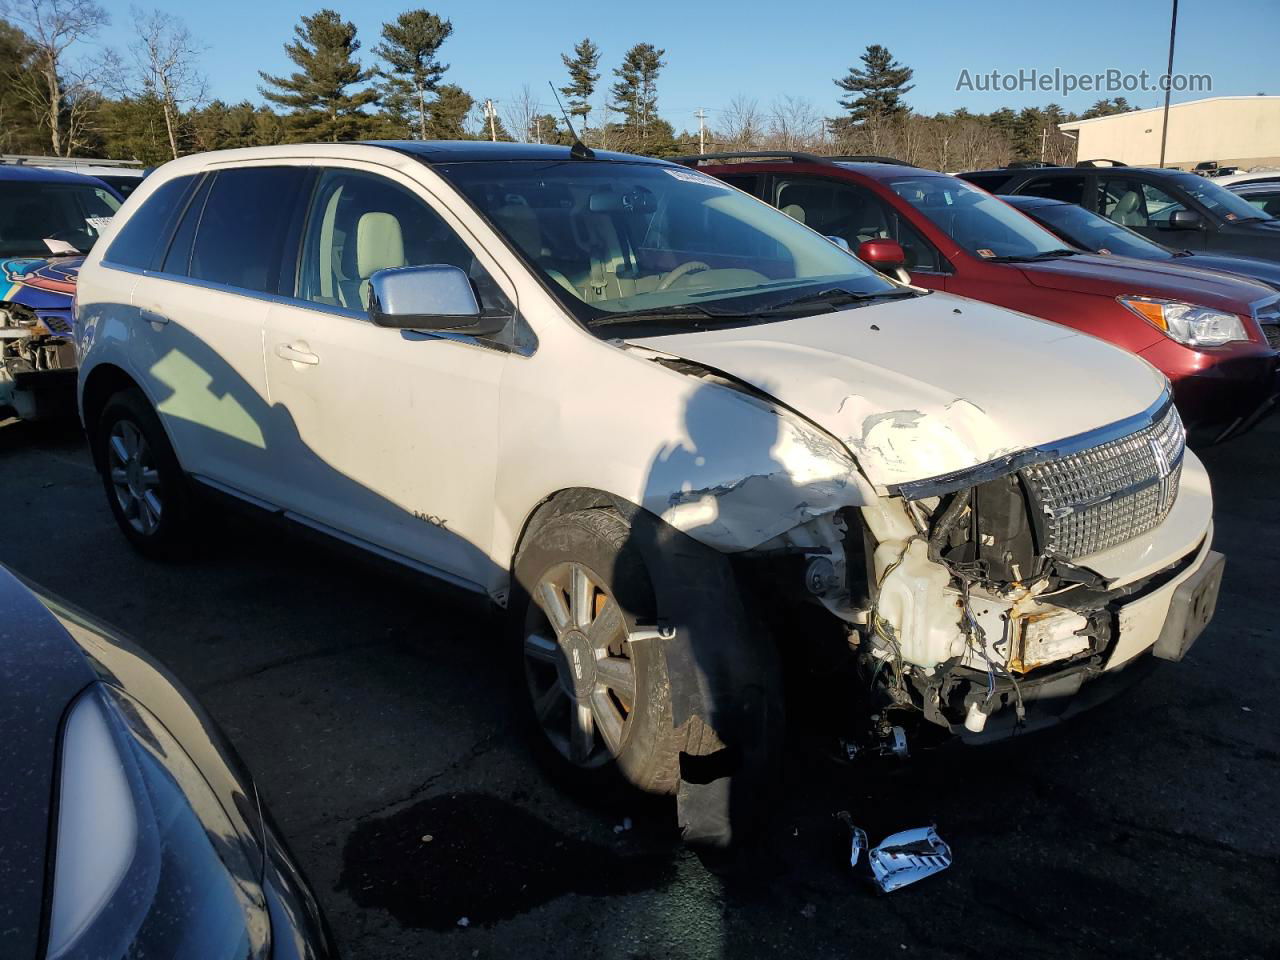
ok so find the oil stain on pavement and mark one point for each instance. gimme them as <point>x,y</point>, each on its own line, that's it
<point>483,858</point>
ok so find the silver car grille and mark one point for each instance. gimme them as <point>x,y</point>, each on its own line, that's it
<point>1102,496</point>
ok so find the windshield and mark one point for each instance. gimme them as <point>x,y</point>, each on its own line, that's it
<point>1219,199</point>
<point>616,239</point>
<point>1089,231</point>
<point>980,223</point>
<point>31,212</point>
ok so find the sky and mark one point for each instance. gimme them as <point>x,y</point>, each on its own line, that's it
<point>716,52</point>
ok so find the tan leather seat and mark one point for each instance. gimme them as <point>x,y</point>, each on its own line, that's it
<point>1128,210</point>
<point>379,246</point>
<point>794,211</point>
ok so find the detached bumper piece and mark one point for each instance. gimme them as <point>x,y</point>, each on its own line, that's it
<point>37,394</point>
<point>1191,609</point>
<point>900,859</point>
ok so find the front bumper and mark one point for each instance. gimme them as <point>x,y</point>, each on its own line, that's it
<point>1159,624</point>
<point>1227,397</point>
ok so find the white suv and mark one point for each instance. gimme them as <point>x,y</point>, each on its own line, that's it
<point>681,438</point>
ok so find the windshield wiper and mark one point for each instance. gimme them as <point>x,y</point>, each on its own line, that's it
<point>1028,257</point>
<point>678,312</point>
<point>833,297</point>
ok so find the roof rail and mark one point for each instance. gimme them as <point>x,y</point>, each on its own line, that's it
<point>34,160</point>
<point>870,158</point>
<point>1099,162</point>
<point>795,156</point>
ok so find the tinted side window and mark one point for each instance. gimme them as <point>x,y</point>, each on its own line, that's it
<point>991,182</point>
<point>1066,189</point>
<point>178,259</point>
<point>1135,203</point>
<point>748,183</point>
<point>361,223</point>
<point>141,241</point>
<point>242,231</point>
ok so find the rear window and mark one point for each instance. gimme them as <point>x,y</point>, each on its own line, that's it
<point>1066,189</point>
<point>991,182</point>
<point>241,237</point>
<point>141,241</point>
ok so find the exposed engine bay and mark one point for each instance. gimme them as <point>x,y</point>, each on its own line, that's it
<point>37,363</point>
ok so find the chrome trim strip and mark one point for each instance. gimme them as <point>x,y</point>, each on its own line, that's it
<point>972,476</point>
<point>365,545</point>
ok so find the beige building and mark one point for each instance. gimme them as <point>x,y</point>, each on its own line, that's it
<point>1236,131</point>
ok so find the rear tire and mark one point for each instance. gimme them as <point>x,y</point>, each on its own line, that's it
<point>146,489</point>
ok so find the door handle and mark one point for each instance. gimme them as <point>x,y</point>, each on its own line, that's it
<point>153,316</point>
<point>296,353</point>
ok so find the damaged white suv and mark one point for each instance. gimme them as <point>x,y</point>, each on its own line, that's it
<point>684,440</point>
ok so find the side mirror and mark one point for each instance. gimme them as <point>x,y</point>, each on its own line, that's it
<point>882,254</point>
<point>433,297</point>
<point>842,243</point>
<point>1185,220</point>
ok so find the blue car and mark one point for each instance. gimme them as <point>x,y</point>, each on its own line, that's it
<point>48,220</point>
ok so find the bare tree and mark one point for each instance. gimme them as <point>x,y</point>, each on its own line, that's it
<point>519,112</point>
<point>166,54</point>
<point>742,125</point>
<point>52,87</point>
<point>794,124</point>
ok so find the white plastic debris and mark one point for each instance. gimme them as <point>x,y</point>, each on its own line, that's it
<point>900,859</point>
<point>464,921</point>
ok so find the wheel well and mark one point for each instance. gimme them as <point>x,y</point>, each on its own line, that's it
<point>104,382</point>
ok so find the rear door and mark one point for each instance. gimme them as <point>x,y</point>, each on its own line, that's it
<point>200,321</point>
<point>854,213</point>
<point>391,434</point>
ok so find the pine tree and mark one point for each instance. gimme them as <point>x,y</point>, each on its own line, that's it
<point>635,94</point>
<point>584,73</point>
<point>875,91</point>
<point>320,95</point>
<point>447,113</point>
<point>409,46</point>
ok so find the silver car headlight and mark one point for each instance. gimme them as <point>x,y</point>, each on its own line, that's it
<point>1187,323</point>
<point>146,862</point>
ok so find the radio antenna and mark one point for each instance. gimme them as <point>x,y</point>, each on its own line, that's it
<point>579,150</point>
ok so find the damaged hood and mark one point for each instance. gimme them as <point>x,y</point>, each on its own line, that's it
<point>931,385</point>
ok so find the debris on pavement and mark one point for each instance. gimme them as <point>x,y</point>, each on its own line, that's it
<point>900,859</point>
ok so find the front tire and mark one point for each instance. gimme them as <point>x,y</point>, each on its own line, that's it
<point>145,486</point>
<point>595,692</point>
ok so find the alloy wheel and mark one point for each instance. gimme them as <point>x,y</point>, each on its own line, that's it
<point>134,477</point>
<point>578,665</point>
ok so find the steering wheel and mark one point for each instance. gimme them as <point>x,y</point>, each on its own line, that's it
<point>689,266</point>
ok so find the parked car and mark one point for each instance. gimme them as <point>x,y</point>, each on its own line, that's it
<point>123,176</point>
<point>1262,193</point>
<point>1202,330</point>
<point>1093,233</point>
<point>130,827</point>
<point>663,426</point>
<point>48,220</point>
<point>1173,207</point>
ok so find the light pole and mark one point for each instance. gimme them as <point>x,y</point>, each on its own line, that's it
<point>1168,81</point>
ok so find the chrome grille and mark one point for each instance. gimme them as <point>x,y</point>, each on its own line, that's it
<point>1100,497</point>
<point>1268,316</point>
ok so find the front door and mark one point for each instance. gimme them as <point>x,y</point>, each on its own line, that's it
<point>1146,208</point>
<point>393,433</point>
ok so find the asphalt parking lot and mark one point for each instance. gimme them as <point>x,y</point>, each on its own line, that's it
<point>371,711</point>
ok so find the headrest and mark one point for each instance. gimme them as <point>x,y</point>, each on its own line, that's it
<point>379,243</point>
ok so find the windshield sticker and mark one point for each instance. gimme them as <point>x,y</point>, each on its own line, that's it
<point>984,252</point>
<point>1232,216</point>
<point>98,223</point>
<point>692,176</point>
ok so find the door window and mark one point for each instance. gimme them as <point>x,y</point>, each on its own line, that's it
<point>1135,203</point>
<point>1066,189</point>
<point>243,230</point>
<point>140,242</point>
<point>361,223</point>
<point>856,215</point>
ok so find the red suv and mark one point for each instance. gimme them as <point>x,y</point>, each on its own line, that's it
<point>1201,328</point>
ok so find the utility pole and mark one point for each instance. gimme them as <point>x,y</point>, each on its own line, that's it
<point>1168,82</point>
<point>702,130</point>
<point>1044,139</point>
<point>491,113</point>
<point>537,127</point>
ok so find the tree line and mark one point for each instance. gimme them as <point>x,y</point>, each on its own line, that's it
<point>150,104</point>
